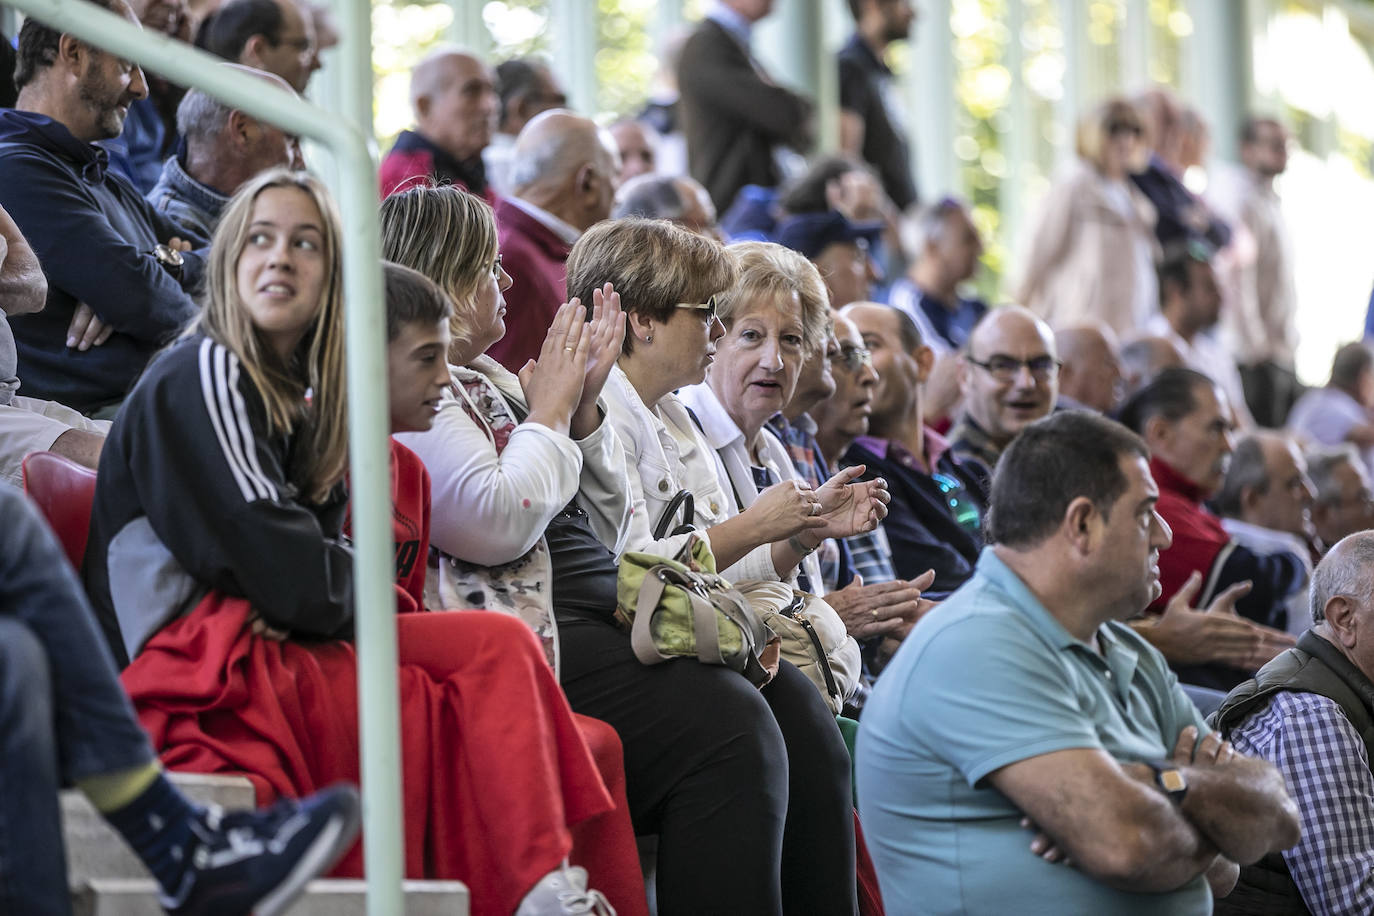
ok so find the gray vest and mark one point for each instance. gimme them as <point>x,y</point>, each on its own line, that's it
<point>1313,666</point>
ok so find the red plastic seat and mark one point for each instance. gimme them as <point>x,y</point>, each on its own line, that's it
<point>65,492</point>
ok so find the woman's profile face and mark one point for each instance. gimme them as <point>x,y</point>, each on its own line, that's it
<point>490,305</point>
<point>281,269</point>
<point>758,359</point>
<point>685,345</point>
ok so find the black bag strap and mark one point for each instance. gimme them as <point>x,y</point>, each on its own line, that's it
<point>684,501</point>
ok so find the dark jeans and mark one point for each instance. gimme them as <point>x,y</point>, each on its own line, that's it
<point>748,790</point>
<point>63,714</point>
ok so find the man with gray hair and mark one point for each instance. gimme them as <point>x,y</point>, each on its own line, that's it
<point>1308,713</point>
<point>947,247</point>
<point>679,200</point>
<point>1265,504</point>
<point>1344,503</point>
<point>1340,411</point>
<point>563,179</point>
<point>223,148</point>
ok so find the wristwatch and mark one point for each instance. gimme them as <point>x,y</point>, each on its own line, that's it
<point>170,259</point>
<point>1170,779</point>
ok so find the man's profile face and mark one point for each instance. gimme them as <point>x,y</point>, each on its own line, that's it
<point>1004,403</point>
<point>1349,509</point>
<point>846,411</point>
<point>106,86</point>
<point>898,372</point>
<point>1203,295</point>
<point>1287,504</point>
<point>1199,444</point>
<point>294,56</point>
<point>898,16</point>
<point>1133,536</point>
<point>461,116</point>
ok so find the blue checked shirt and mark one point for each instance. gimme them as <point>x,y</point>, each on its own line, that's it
<point>1326,767</point>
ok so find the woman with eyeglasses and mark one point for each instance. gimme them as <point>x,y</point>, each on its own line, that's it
<point>1093,251</point>
<point>795,852</point>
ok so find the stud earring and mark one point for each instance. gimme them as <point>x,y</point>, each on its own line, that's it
<point>649,339</point>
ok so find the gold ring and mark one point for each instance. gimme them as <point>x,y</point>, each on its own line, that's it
<point>568,349</point>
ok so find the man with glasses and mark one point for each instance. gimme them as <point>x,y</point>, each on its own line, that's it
<point>873,603</point>
<point>527,87</point>
<point>1009,379</point>
<point>934,518</point>
<point>1344,503</point>
<point>270,35</point>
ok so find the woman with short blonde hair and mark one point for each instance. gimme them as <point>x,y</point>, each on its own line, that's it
<point>1092,254</point>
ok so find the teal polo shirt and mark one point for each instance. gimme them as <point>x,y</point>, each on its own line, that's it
<point>987,679</point>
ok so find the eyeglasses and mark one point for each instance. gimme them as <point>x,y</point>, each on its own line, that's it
<point>709,307</point>
<point>496,267</point>
<point>1124,127</point>
<point>852,359</point>
<point>1005,368</point>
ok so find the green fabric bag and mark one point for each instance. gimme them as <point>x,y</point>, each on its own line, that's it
<point>681,608</point>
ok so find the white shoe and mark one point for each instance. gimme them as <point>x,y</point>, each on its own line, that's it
<point>564,892</point>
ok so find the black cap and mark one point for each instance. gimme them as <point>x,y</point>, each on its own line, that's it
<point>811,233</point>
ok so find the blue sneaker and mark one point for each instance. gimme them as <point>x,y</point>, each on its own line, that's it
<point>259,861</point>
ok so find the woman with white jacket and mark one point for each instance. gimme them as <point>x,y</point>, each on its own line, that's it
<point>707,756</point>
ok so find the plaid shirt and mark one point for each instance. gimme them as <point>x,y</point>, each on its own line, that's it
<point>1326,767</point>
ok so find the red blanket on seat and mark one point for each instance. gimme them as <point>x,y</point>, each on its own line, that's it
<point>489,794</point>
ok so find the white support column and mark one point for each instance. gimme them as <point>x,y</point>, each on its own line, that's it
<point>468,29</point>
<point>1018,142</point>
<point>1218,68</point>
<point>667,16</point>
<point>573,25</point>
<point>930,89</point>
<point>1072,23</point>
<point>1136,46</point>
<point>790,46</point>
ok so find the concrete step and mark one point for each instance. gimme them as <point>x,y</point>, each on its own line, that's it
<point>94,850</point>
<point>326,897</point>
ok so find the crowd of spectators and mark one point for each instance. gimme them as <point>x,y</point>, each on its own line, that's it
<point>1097,565</point>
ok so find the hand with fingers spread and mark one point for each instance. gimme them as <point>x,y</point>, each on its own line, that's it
<point>849,505</point>
<point>783,510</point>
<point>1217,635</point>
<point>553,383</point>
<point>86,330</point>
<point>883,609</point>
<point>607,329</point>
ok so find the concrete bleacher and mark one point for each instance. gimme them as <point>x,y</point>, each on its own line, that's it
<point>106,879</point>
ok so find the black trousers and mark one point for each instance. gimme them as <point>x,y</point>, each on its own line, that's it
<point>748,790</point>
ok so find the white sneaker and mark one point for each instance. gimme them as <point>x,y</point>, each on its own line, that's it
<point>564,892</point>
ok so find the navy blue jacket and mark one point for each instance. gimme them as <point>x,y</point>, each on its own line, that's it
<point>923,521</point>
<point>93,235</point>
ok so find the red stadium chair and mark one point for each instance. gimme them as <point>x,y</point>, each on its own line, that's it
<point>64,491</point>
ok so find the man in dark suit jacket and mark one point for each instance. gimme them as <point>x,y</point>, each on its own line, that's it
<point>733,114</point>
<point>563,176</point>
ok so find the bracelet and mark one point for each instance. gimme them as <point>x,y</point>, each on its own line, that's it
<point>796,544</point>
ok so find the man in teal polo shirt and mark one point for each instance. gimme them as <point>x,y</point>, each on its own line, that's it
<point>1021,723</point>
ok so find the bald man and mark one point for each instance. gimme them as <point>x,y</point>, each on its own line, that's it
<point>1091,374</point>
<point>456,106</point>
<point>1009,378</point>
<point>563,177</point>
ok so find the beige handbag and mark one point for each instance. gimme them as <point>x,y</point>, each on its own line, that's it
<point>813,637</point>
